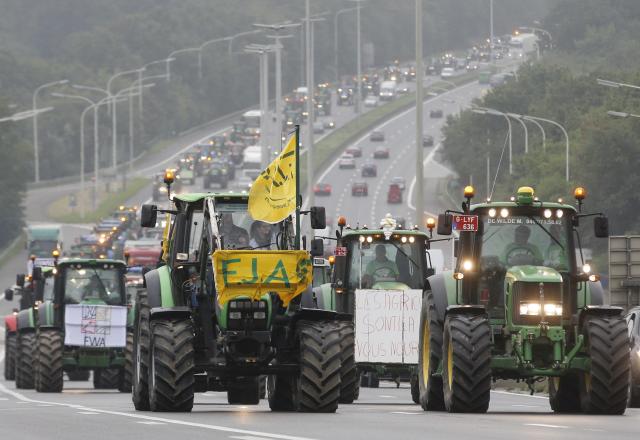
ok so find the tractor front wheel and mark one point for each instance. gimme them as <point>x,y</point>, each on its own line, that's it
<point>605,389</point>
<point>127,372</point>
<point>280,389</point>
<point>564,394</point>
<point>171,378</point>
<point>431,396</point>
<point>349,380</point>
<point>140,379</point>
<point>466,370</point>
<point>25,356</point>
<point>10,356</point>
<point>48,370</point>
<point>106,378</point>
<point>318,384</point>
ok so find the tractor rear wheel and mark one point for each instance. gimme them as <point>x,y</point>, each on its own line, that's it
<point>106,378</point>
<point>140,379</point>
<point>415,388</point>
<point>171,378</point>
<point>25,354</point>
<point>280,389</point>
<point>10,356</point>
<point>349,380</point>
<point>318,384</point>
<point>431,396</point>
<point>127,372</point>
<point>605,389</point>
<point>564,394</point>
<point>466,370</point>
<point>78,375</point>
<point>245,391</point>
<point>48,369</point>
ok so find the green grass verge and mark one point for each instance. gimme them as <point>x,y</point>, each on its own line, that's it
<point>58,210</point>
<point>14,249</point>
<point>331,145</point>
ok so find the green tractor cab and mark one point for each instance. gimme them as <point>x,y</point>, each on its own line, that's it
<point>519,306</point>
<point>379,277</point>
<point>77,324</point>
<point>227,309</point>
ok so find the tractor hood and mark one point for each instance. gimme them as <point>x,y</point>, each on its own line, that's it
<point>533,274</point>
<point>390,285</point>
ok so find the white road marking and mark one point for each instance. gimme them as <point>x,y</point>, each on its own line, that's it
<point>151,423</point>
<point>406,412</point>
<point>385,396</point>
<point>520,395</point>
<point>544,425</point>
<point>24,399</point>
<point>4,398</point>
<point>87,413</point>
<point>526,406</point>
<point>247,437</point>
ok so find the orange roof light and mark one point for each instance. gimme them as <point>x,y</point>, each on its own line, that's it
<point>342,221</point>
<point>431,223</point>
<point>580,193</point>
<point>469,192</point>
<point>55,253</point>
<point>169,176</point>
<point>332,259</point>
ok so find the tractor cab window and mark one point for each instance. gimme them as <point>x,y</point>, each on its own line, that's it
<point>47,288</point>
<point>385,264</point>
<point>94,283</point>
<point>239,230</point>
<point>195,234</point>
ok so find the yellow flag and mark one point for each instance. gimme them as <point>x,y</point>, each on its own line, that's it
<point>273,195</point>
<point>256,273</point>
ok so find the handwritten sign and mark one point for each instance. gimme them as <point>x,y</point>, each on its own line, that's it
<point>387,326</point>
<point>98,326</point>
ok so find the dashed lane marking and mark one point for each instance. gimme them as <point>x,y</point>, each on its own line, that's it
<point>544,425</point>
<point>151,423</point>
<point>88,413</point>
<point>406,413</point>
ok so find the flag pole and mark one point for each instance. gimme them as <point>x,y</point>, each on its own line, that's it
<point>298,197</point>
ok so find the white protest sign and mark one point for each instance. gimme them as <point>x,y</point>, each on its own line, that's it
<point>99,326</point>
<point>387,326</point>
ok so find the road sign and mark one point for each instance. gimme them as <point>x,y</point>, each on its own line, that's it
<point>465,223</point>
<point>624,271</point>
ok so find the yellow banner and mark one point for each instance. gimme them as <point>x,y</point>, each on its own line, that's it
<point>272,197</point>
<point>254,273</point>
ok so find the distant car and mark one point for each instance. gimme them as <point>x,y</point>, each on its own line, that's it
<point>395,194</point>
<point>318,127</point>
<point>427,140</point>
<point>369,170</point>
<point>381,153</point>
<point>329,124</point>
<point>370,101</point>
<point>402,90</point>
<point>354,150</point>
<point>360,189</point>
<point>633,324</point>
<point>447,72</point>
<point>322,189</point>
<point>436,113</point>
<point>473,65</point>
<point>346,161</point>
<point>376,136</point>
<point>400,181</point>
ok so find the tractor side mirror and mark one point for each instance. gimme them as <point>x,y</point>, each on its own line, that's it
<point>8,294</point>
<point>20,280</point>
<point>430,271</point>
<point>339,269</point>
<point>317,247</point>
<point>601,227</point>
<point>148,216</point>
<point>36,274</point>
<point>456,248</point>
<point>318,217</point>
<point>445,227</point>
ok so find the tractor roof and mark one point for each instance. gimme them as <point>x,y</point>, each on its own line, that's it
<point>90,261</point>
<point>539,204</point>
<point>198,197</point>
<point>358,232</point>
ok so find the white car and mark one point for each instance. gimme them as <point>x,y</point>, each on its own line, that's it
<point>370,101</point>
<point>347,161</point>
<point>447,72</point>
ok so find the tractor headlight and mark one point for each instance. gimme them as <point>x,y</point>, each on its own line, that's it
<point>259,315</point>
<point>235,315</point>
<point>534,309</point>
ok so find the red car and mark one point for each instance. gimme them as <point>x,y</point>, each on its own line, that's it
<point>381,153</point>
<point>354,150</point>
<point>395,194</point>
<point>322,189</point>
<point>360,189</point>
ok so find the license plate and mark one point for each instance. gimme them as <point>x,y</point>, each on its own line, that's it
<point>465,223</point>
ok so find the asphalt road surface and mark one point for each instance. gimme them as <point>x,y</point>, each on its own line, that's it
<point>81,412</point>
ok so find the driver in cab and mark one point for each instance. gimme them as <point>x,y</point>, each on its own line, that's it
<point>521,252</point>
<point>380,269</point>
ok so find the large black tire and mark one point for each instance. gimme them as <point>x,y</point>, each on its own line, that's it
<point>415,388</point>
<point>171,379</point>
<point>564,394</point>
<point>245,391</point>
<point>369,379</point>
<point>349,378</point>
<point>431,396</point>
<point>263,387</point>
<point>106,378</point>
<point>280,390</point>
<point>10,356</point>
<point>25,356</point>
<point>48,369</point>
<point>79,375</point>
<point>466,356</point>
<point>605,389</point>
<point>318,384</point>
<point>127,372</point>
<point>140,379</point>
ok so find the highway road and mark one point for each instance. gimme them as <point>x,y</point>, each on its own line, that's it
<point>80,412</point>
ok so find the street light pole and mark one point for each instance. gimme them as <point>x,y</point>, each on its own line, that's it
<point>309,81</point>
<point>359,61</point>
<point>491,30</point>
<point>566,139</point>
<point>171,57</point>
<point>36,155</point>
<point>539,125</point>
<point>202,46</point>
<point>335,40</point>
<point>622,115</point>
<point>524,127</point>
<point>419,117</point>
<point>493,112</point>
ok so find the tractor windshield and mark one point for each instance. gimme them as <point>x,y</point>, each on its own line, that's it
<point>47,293</point>
<point>96,283</point>
<point>373,264</point>
<point>525,240</point>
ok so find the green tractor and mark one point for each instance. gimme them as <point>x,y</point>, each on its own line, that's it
<point>379,278</point>
<point>225,310</point>
<point>520,306</point>
<point>78,323</point>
